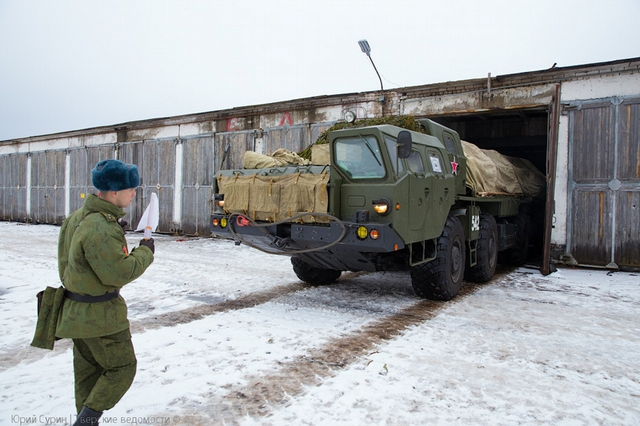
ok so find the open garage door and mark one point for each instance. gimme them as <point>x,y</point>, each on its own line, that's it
<point>529,133</point>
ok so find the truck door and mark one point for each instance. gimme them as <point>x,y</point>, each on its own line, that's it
<point>419,191</point>
<point>426,191</point>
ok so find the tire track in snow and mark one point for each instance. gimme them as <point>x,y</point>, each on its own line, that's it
<point>12,356</point>
<point>196,313</point>
<point>264,393</point>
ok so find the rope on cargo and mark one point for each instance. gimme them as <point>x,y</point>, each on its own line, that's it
<point>289,219</point>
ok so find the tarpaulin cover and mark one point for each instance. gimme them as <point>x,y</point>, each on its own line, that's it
<point>320,155</point>
<point>279,158</point>
<point>492,173</point>
<point>274,198</point>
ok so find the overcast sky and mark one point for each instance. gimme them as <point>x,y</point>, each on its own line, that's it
<point>75,64</point>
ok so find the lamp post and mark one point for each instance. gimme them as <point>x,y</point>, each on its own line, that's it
<point>364,46</point>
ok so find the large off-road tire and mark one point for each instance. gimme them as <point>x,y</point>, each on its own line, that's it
<point>486,250</point>
<point>312,275</point>
<point>517,255</point>
<point>441,278</point>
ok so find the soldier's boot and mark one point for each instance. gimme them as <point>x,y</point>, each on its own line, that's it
<point>88,417</point>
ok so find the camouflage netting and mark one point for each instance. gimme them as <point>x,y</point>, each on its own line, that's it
<point>408,122</point>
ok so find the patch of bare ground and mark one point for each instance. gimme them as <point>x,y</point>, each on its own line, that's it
<point>14,355</point>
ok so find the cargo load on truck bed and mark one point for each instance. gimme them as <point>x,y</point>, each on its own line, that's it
<point>277,197</point>
<point>492,173</point>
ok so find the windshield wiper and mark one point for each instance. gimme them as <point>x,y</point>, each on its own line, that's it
<point>366,142</point>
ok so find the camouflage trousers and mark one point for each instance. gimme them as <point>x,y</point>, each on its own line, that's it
<point>104,368</point>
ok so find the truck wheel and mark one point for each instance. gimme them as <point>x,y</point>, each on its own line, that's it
<point>517,255</point>
<point>312,275</point>
<point>487,251</point>
<point>441,278</point>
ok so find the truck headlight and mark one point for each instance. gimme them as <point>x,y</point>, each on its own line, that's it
<point>219,200</point>
<point>382,206</point>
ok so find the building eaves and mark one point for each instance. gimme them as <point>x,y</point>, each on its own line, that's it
<point>546,76</point>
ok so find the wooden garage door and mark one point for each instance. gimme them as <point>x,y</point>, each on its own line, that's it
<point>197,182</point>
<point>47,186</point>
<point>605,183</point>
<point>13,187</point>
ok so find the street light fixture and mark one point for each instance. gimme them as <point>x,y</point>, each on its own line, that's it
<point>364,46</point>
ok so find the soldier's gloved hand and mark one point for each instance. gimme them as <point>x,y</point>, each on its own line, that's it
<point>149,243</point>
<point>123,224</point>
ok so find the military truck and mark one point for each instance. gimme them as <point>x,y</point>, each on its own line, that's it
<point>386,199</point>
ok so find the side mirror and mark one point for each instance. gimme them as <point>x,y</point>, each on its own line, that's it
<point>404,144</point>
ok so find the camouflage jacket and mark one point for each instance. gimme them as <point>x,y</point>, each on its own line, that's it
<point>93,259</point>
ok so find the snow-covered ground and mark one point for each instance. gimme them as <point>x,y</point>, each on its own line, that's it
<point>229,335</point>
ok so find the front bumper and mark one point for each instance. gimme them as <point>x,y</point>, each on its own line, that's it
<point>321,244</point>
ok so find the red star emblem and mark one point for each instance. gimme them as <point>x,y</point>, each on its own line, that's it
<point>454,166</point>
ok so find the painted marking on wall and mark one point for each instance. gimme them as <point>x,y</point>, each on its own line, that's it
<point>232,124</point>
<point>286,118</point>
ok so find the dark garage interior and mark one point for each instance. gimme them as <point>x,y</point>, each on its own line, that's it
<point>517,133</point>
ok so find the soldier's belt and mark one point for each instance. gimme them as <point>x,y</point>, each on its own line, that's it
<point>91,299</point>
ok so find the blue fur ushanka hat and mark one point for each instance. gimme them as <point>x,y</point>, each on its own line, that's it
<point>114,175</point>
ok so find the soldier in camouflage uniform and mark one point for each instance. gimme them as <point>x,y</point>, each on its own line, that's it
<point>94,263</point>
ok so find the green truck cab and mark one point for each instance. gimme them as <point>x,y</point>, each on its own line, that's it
<point>390,199</point>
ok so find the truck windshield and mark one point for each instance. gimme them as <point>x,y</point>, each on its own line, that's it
<point>360,157</point>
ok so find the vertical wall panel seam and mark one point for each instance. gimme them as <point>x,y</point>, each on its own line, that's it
<point>67,184</point>
<point>178,184</point>
<point>28,188</point>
